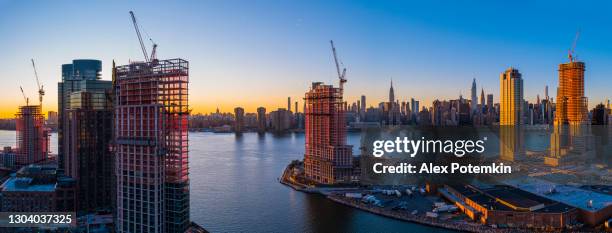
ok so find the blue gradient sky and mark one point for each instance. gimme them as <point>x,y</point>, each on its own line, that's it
<point>252,53</point>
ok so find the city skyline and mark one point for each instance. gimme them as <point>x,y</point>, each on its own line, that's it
<point>377,42</point>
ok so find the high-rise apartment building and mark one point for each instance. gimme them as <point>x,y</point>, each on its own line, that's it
<point>78,75</point>
<point>571,137</point>
<point>239,119</point>
<point>87,133</point>
<point>511,115</point>
<point>327,159</point>
<point>363,107</point>
<point>280,120</point>
<point>599,115</point>
<point>87,156</point>
<point>261,119</point>
<point>511,97</point>
<point>571,102</point>
<point>151,135</point>
<point>490,110</point>
<point>32,135</point>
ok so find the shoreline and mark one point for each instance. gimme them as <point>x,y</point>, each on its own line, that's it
<point>328,193</point>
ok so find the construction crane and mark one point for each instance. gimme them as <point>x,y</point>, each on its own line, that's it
<point>27,100</point>
<point>142,46</point>
<point>153,52</point>
<point>153,57</point>
<point>571,53</point>
<point>41,91</point>
<point>341,76</point>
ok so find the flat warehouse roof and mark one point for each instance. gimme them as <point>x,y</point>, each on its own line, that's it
<point>571,195</point>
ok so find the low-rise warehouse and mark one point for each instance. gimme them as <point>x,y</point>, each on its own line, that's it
<point>504,205</point>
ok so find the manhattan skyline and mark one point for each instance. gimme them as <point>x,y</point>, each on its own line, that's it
<point>263,55</point>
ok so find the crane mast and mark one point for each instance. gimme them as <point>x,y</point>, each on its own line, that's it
<point>153,52</point>
<point>41,91</point>
<point>142,46</point>
<point>27,100</point>
<point>342,75</point>
<point>571,53</point>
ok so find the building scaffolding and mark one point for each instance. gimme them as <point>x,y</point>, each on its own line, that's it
<point>32,135</point>
<point>151,136</point>
<point>328,159</point>
<point>571,102</point>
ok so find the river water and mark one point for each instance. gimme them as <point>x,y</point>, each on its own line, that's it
<point>234,188</point>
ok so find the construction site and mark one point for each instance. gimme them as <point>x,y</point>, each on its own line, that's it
<point>151,127</point>
<point>571,139</point>
<point>327,159</point>
<point>32,133</point>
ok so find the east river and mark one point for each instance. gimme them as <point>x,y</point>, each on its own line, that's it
<point>234,188</point>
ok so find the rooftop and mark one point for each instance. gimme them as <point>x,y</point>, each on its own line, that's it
<point>571,195</point>
<point>508,198</point>
<point>15,184</point>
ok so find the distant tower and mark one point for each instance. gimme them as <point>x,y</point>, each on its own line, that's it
<point>474,96</point>
<point>510,115</point>
<point>546,92</point>
<point>261,119</point>
<point>363,102</point>
<point>239,121</point>
<point>413,108</point>
<point>296,107</point>
<point>482,98</point>
<point>391,93</point>
<point>511,97</point>
<point>289,104</point>
<point>490,102</point>
<point>363,107</point>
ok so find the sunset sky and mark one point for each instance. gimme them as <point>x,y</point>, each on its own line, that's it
<point>257,53</point>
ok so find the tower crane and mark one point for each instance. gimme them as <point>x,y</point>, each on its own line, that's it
<point>571,54</point>
<point>153,57</point>
<point>341,76</point>
<point>27,100</point>
<point>153,52</point>
<point>41,91</point>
